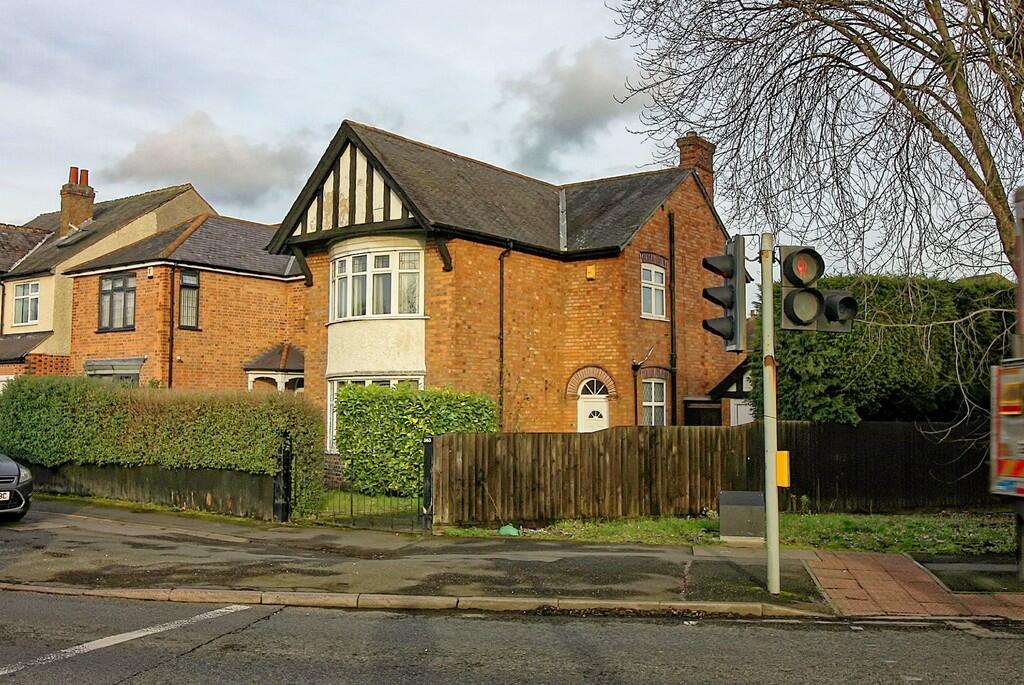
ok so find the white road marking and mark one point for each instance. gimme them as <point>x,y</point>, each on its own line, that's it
<point>104,642</point>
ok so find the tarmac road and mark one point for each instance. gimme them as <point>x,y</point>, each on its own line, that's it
<point>80,640</point>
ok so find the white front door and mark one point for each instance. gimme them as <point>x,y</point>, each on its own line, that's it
<point>592,414</point>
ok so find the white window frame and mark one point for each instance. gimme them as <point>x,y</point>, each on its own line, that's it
<point>332,395</point>
<point>31,294</point>
<point>341,271</point>
<point>658,408</point>
<point>648,282</point>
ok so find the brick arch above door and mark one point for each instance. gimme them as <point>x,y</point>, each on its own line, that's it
<point>572,388</point>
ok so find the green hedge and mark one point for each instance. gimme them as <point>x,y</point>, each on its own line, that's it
<point>380,432</point>
<point>52,420</point>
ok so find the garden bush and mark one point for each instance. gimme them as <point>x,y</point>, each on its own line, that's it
<point>380,432</point>
<point>53,420</point>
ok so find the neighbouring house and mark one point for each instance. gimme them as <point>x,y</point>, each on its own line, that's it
<point>735,387</point>
<point>200,305</point>
<point>15,243</point>
<point>36,325</point>
<point>576,307</point>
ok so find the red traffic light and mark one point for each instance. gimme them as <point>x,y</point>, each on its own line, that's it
<point>803,267</point>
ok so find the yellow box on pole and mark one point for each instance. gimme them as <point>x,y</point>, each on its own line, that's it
<point>782,468</point>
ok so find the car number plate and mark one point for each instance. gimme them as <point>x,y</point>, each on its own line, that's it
<point>5,496</point>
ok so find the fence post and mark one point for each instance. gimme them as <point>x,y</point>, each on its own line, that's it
<point>427,514</point>
<point>283,482</point>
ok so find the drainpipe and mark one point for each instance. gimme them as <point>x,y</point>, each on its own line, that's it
<point>501,332</point>
<point>170,335</point>
<point>673,357</point>
<point>3,296</point>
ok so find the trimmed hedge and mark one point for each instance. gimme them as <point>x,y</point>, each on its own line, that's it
<point>53,420</point>
<point>380,432</point>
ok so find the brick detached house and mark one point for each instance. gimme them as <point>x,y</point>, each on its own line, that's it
<point>201,305</point>
<point>576,307</point>
<point>35,309</point>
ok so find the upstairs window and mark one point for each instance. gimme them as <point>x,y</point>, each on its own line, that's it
<point>376,284</point>
<point>188,312</point>
<point>26,303</point>
<point>117,303</point>
<point>652,291</point>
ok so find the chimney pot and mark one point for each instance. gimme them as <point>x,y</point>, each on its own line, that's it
<point>83,178</point>
<point>73,176</point>
<point>698,153</point>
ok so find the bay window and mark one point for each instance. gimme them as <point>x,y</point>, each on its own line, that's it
<point>376,284</point>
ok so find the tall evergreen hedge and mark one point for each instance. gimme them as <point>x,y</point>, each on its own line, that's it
<point>904,360</point>
<point>53,420</point>
<point>380,432</point>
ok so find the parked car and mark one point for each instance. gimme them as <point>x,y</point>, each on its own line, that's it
<point>15,489</point>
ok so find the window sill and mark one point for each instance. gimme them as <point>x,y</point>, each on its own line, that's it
<point>380,317</point>
<point>190,328</point>
<point>25,323</point>
<point>115,330</point>
<point>652,317</point>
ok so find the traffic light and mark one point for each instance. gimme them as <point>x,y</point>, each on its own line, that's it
<point>731,296</point>
<point>806,307</point>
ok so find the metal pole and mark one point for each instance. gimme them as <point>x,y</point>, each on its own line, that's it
<point>771,492</point>
<point>1018,344</point>
<point>1018,267</point>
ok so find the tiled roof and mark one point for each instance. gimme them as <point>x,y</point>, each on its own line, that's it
<point>283,357</point>
<point>458,191</point>
<point>465,195</point>
<point>606,212</point>
<point>14,347</point>
<point>16,242</point>
<point>107,217</point>
<point>207,240</point>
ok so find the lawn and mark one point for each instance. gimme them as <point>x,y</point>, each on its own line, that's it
<point>944,532</point>
<point>344,504</point>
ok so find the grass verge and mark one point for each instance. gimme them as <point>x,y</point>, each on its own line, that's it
<point>966,533</point>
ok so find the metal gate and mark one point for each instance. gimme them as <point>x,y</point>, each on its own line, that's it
<point>347,506</point>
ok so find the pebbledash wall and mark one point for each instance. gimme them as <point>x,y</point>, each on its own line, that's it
<point>558,321</point>
<point>239,317</point>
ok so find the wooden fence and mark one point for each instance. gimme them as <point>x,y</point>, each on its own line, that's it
<point>676,470</point>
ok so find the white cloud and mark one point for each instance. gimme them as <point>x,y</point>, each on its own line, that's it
<point>223,166</point>
<point>568,102</point>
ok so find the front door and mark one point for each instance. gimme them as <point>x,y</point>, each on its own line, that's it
<point>592,406</point>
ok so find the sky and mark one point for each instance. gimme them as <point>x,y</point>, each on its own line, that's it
<point>242,98</point>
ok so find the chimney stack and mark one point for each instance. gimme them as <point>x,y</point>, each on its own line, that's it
<point>76,200</point>
<point>698,154</point>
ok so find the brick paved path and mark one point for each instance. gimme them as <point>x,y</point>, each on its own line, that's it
<point>894,585</point>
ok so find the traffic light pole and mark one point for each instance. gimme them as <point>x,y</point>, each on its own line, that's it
<point>771,491</point>
<point>1018,345</point>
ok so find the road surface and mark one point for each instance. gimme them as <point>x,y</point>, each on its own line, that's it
<point>80,640</point>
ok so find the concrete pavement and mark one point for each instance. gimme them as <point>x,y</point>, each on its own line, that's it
<point>91,641</point>
<point>65,544</point>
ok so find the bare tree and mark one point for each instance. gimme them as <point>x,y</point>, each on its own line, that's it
<point>889,131</point>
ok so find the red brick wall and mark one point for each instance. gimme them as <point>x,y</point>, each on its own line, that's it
<point>149,339</point>
<point>39,364</point>
<point>556,321</point>
<point>239,317</point>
